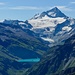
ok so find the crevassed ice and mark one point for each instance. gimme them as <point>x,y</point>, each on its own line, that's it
<point>46,22</point>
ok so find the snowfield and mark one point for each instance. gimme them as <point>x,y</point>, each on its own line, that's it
<point>46,22</point>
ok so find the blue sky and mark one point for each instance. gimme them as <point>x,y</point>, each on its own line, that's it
<point>25,9</point>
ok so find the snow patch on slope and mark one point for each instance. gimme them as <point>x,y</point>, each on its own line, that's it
<point>48,39</point>
<point>1,21</point>
<point>21,23</point>
<point>52,14</point>
<point>66,28</point>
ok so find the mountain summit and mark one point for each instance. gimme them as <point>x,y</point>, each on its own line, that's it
<point>53,13</point>
<point>53,26</point>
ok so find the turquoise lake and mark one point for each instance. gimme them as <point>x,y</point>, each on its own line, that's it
<point>29,60</point>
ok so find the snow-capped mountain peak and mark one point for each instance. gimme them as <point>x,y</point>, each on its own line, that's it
<point>49,18</point>
<point>9,21</point>
<point>53,13</point>
<point>53,26</point>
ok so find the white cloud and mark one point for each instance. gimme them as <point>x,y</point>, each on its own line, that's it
<point>63,8</point>
<point>25,8</point>
<point>1,3</point>
<point>72,2</point>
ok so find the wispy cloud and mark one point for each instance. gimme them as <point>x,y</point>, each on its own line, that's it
<point>72,2</point>
<point>2,3</point>
<point>25,8</point>
<point>64,8</point>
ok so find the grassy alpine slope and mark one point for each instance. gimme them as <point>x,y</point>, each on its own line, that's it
<point>17,43</point>
<point>59,60</point>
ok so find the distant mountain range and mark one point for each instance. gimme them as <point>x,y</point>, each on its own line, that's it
<point>42,36</point>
